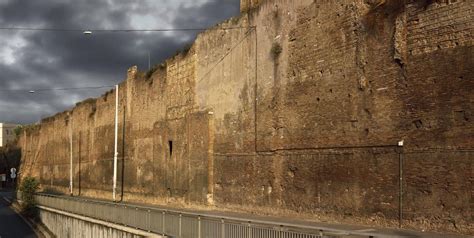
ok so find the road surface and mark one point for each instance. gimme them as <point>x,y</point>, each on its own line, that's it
<point>11,224</point>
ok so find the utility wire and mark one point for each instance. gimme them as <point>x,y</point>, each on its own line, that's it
<point>119,30</point>
<point>247,34</point>
<point>55,89</point>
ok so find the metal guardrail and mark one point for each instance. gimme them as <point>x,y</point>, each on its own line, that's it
<point>181,224</point>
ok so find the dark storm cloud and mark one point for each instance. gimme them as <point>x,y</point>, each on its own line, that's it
<point>38,59</point>
<point>208,14</point>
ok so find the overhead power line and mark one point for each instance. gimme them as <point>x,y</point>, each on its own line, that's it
<point>55,89</point>
<point>119,30</point>
<point>247,34</point>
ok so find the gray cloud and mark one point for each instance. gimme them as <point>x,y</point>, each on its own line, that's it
<point>38,59</point>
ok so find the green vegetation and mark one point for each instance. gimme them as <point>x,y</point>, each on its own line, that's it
<point>276,50</point>
<point>18,130</point>
<point>151,71</point>
<point>185,50</point>
<point>28,188</point>
<point>87,101</point>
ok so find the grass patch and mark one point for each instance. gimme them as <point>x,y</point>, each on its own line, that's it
<point>153,69</point>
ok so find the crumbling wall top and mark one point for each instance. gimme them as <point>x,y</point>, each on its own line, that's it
<point>246,5</point>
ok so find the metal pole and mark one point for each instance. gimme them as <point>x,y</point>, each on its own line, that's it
<point>163,224</point>
<point>400,184</point>
<point>70,159</point>
<point>149,61</point>
<point>116,141</point>
<point>199,226</point>
<point>123,154</point>
<point>255,102</point>
<point>223,228</point>
<point>180,225</point>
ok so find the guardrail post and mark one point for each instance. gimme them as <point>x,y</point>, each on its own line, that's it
<point>125,214</point>
<point>163,223</point>
<point>136,219</point>
<point>199,226</point>
<point>149,221</point>
<point>223,228</point>
<point>180,216</point>
<point>249,233</point>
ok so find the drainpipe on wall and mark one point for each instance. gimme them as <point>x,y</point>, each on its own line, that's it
<point>116,142</point>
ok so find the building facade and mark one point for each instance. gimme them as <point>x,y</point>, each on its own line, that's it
<point>6,133</point>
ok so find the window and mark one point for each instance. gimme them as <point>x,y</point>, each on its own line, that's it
<point>170,146</point>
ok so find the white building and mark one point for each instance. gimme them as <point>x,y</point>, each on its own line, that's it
<point>6,133</point>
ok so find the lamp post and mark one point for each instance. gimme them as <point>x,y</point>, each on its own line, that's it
<point>149,61</point>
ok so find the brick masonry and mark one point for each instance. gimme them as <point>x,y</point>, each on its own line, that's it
<point>297,117</point>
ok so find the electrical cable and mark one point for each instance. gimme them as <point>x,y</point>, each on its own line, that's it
<point>247,34</point>
<point>111,86</point>
<point>55,89</point>
<point>119,30</point>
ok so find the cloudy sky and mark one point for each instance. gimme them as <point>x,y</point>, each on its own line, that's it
<point>33,60</point>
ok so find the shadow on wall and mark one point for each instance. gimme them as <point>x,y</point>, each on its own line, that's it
<point>388,9</point>
<point>10,156</point>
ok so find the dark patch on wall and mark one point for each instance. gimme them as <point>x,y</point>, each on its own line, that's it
<point>170,147</point>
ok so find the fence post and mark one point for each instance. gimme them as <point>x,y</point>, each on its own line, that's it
<point>180,233</point>
<point>163,223</point>
<point>199,226</point>
<point>136,217</point>
<point>400,189</point>
<point>149,220</point>
<point>223,228</point>
<point>249,233</point>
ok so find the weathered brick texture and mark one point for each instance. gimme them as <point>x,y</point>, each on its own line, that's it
<point>299,116</point>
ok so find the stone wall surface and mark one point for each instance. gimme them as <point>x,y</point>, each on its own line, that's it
<point>246,5</point>
<point>294,108</point>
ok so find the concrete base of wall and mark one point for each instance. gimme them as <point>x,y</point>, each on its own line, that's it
<point>64,224</point>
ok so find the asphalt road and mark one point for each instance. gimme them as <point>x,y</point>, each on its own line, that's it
<point>11,224</point>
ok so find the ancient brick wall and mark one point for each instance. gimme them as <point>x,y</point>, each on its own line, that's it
<point>296,113</point>
<point>246,5</point>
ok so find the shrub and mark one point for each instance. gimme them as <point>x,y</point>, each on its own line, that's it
<point>276,50</point>
<point>151,71</point>
<point>28,188</point>
<point>18,130</point>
